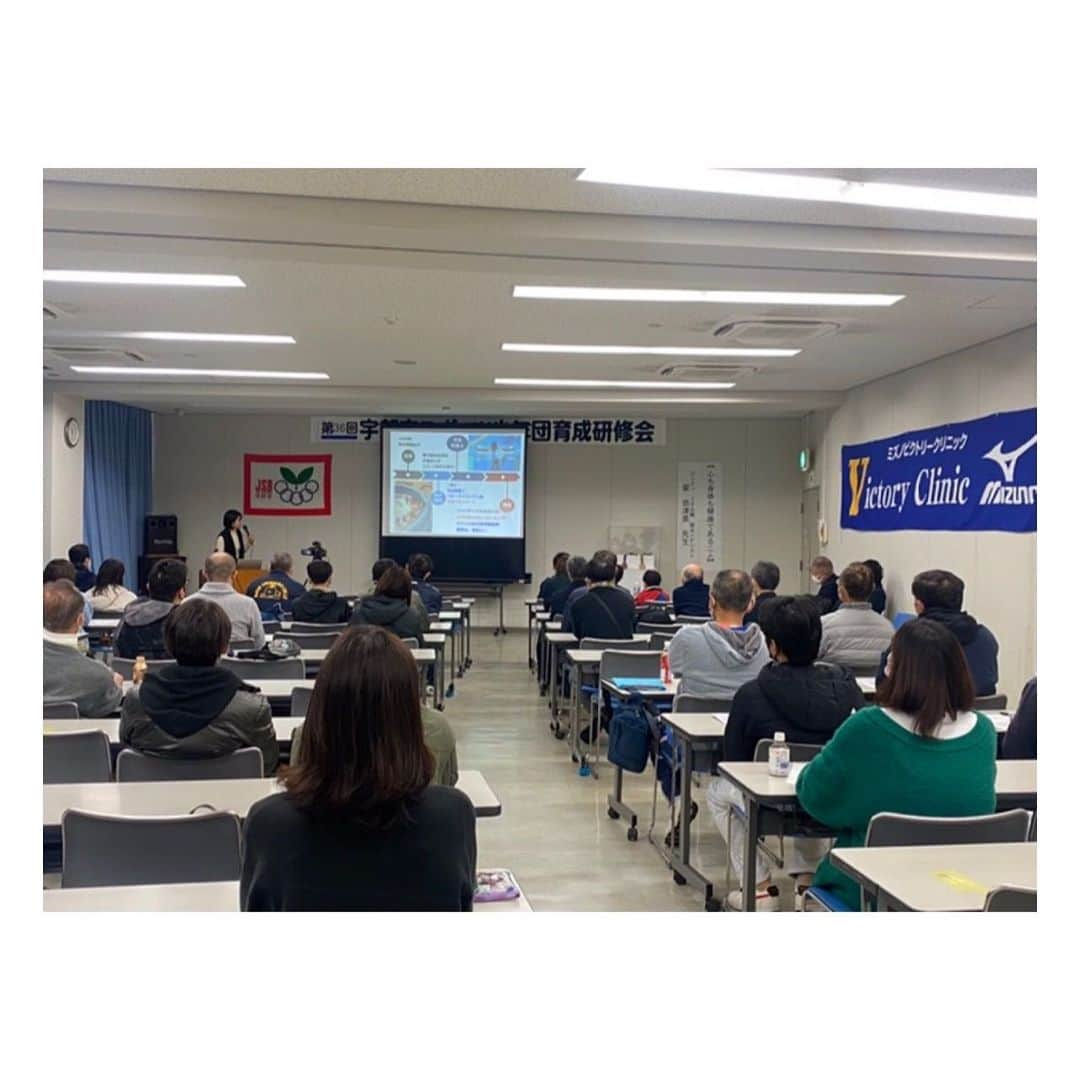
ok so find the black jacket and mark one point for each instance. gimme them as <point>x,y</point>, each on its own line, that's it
<point>142,629</point>
<point>551,585</point>
<point>753,615</point>
<point>556,601</point>
<point>320,606</point>
<point>691,598</point>
<point>1019,741</point>
<point>979,645</point>
<point>806,702</point>
<point>294,862</point>
<point>828,595</point>
<point>603,612</point>
<point>878,600</point>
<point>398,616</point>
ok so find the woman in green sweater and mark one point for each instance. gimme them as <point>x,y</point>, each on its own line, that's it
<point>920,750</point>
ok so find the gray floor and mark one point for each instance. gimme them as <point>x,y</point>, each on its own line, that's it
<point>554,832</point>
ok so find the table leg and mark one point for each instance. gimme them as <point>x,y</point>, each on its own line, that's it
<point>575,706</point>
<point>453,656</point>
<point>553,678</point>
<point>532,661</point>
<point>749,875</point>
<point>442,675</point>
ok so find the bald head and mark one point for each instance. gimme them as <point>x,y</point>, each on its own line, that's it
<point>692,572</point>
<point>63,607</point>
<point>219,567</point>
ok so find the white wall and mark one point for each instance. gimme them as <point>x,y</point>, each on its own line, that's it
<point>62,495</point>
<point>573,494</point>
<point>998,568</point>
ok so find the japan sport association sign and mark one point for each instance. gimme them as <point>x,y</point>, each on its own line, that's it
<point>293,485</point>
<point>975,476</point>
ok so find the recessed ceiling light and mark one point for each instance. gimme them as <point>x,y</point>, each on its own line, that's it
<point>704,296</point>
<point>615,384</point>
<point>821,189</point>
<point>118,277</point>
<point>645,350</point>
<point>209,373</point>
<point>176,335</point>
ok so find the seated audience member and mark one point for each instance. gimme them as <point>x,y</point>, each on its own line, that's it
<point>320,604</point>
<point>64,570</point>
<point>389,606</point>
<point>651,593</point>
<point>379,567</point>
<point>79,556</point>
<point>108,594</point>
<point>244,615</point>
<point>619,571</point>
<point>570,587</point>
<point>195,708</point>
<point>421,567</point>
<point>764,578</point>
<point>804,699</point>
<point>939,597</point>
<point>558,580</point>
<point>878,599</point>
<point>824,576</point>
<point>714,659</point>
<point>1019,741</point>
<point>605,610</point>
<point>854,634</point>
<point>68,673</point>
<point>278,589</point>
<point>920,750</point>
<point>142,626</point>
<point>692,596</point>
<point>360,826</point>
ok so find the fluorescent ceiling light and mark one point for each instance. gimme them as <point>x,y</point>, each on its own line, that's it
<point>821,189</point>
<point>116,277</point>
<point>645,350</point>
<point>209,373</point>
<point>705,296</point>
<point>236,339</point>
<point>615,384</point>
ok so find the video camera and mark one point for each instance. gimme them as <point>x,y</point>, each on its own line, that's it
<point>316,551</point>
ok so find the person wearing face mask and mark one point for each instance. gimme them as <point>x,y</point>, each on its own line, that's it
<point>824,576</point>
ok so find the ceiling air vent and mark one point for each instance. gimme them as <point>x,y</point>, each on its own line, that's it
<point>702,369</point>
<point>94,354</point>
<point>773,333</point>
<point>48,313</point>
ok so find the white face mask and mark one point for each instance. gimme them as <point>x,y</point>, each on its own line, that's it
<point>815,579</point>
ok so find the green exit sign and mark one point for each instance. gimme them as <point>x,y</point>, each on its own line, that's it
<point>804,460</point>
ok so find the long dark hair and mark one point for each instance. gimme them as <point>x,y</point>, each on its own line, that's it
<point>362,752</point>
<point>110,572</point>
<point>930,676</point>
<point>230,517</point>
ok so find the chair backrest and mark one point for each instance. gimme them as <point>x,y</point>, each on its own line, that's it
<point>660,641</point>
<point>1011,898</point>
<point>77,757</point>
<point>126,667</point>
<point>909,830</point>
<point>411,642</point>
<point>241,644</point>
<point>299,700</point>
<point>254,670</point>
<point>629,663</point>
<point>862,670</point>
<point>623,644</point>
<point>902,617</point>
<point>323,639</point>
<point>690,620</point>
<point>133,767</point>
<point>991,702</point>
<point>696,703</point>
<point>61,710</point>
<point>297,627</point>
<point>271,627</point>
<point>100,849</point>
<point>799,751</point>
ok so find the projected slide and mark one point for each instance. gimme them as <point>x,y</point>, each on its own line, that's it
<point>453,482</point>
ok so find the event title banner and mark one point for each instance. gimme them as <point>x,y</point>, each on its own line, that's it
<point>629,431</point>
<point>975,476</point>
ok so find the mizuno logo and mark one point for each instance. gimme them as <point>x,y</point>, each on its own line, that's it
<point>1008,459</point>
<point>858,471</point>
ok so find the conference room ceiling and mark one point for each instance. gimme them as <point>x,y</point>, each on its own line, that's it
<point>397,283</point>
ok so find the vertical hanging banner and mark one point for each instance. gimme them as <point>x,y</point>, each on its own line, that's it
<point>293,485</point>
<point>698,529</point>
<point>974,476</point>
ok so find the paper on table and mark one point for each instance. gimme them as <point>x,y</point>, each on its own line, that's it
<point>794,770</point>
<point>648,562</point>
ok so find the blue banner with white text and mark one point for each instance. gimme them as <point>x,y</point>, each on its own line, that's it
<point>975,476</point>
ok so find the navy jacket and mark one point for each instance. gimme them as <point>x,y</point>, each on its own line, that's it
<point>430,595</point>
<point>268,604</point>
<point>754,614</point>
<point>691,598</point>
<point>979,645</point>
<point>828,596</point>
<point>1019,741</point>
<point>877,600</point>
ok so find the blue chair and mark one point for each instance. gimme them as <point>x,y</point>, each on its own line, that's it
<point>902,617</point>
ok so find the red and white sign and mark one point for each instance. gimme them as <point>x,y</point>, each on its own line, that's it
<point>287,485</point>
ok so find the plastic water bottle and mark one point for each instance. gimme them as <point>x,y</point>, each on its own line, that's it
<point>138,671</point>
<point>665,668</point>
<point>429,697</point>
<point>779,755</point>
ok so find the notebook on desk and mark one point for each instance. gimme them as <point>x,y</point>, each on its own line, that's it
<point>630,683</point>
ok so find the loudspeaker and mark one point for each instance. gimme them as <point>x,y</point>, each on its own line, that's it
<point>159,534</point>
<point>146,564</point>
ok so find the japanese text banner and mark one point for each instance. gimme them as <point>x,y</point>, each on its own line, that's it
<point>974,476</point>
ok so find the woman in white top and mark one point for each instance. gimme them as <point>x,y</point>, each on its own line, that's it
<point>231,540</point>
<point>108,593</point>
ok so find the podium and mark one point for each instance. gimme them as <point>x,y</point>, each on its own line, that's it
<point>246,573</point>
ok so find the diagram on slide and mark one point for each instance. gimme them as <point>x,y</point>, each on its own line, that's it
<point>458,483</point>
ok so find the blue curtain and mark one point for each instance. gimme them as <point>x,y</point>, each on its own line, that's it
<point>117,483</point>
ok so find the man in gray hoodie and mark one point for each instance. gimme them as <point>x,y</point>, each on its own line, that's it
<point>715,658</point>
